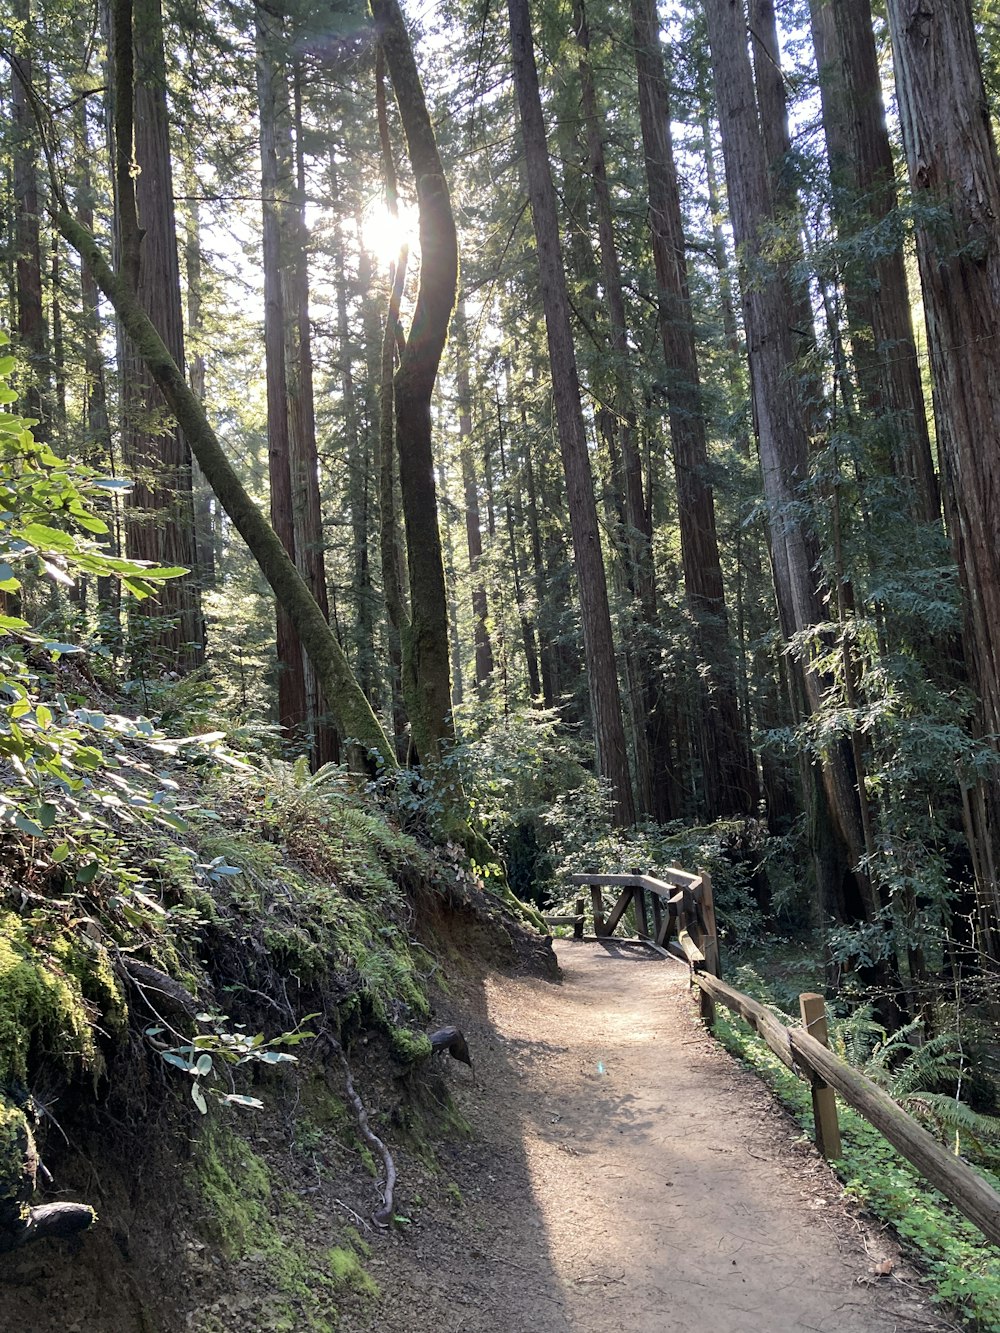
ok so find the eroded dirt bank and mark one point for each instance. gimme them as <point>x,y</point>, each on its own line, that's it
<point>626,1174</point>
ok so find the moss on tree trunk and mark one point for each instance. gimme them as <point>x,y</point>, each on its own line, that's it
<point>347,700</point>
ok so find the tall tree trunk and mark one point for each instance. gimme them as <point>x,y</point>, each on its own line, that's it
<point>864,181</point>
<point>303,455</point>
<point>952,158</point>
<point>99,443</point>
<point>354,713</point>
<point>473,532</point>
<point>426,670</point>
<point>728,769</point>
<point>358,463</point>
<point>451,584</point>
<point>293,706</point>
<point>514,512</point>
<point>609,733</point>
<point>160,511</point>
<point>392,338</point>
<point>31,330</point>
<point>204,518</point>
<point>640,637</point>
<point>772,103</point>
<point>546,668</point>
<point>778,415</point>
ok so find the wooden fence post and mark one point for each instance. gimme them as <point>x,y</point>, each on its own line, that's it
<point>578,923</point>
<point>598,901</point>
<point>710,945</point>
<point>641,920</point>
<point>813,1011</point>
<point>706,1005</point>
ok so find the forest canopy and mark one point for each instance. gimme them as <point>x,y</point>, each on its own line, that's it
<point>579,422</point>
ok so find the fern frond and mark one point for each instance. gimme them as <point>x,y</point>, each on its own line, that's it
<point>952,1117</point>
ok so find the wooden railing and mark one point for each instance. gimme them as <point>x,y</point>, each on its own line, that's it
<point>680,908</point>
<point>683,925</point>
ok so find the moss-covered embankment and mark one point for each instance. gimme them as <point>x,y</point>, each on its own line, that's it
<point>153,1012</point>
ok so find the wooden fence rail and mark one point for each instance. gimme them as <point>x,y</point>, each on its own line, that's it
<point>812,1060</point>
<point>681,906</point>
<point>683,925</point>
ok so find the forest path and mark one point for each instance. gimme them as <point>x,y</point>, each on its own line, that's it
<point>626,1174</point>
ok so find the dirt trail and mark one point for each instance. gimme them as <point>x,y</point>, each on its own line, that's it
<point>626,1174</point>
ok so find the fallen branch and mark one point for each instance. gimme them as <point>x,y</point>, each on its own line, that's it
<point>49,1221</point>
<point>382,1217</point>
<point>172,996</point>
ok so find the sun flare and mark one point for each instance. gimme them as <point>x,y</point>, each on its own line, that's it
<point>383,233</point>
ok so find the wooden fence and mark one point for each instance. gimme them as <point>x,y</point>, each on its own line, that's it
<point>679,920</point>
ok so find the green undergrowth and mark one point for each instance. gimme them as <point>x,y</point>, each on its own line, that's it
<point>244,1217</point>
<point>53,982</point>
<point>286,914</point>
<point>962,1267</point>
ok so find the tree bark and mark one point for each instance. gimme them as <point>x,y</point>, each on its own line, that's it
<point>778,415</point>
<point>609,733</point>
<point>728,770</point>
<point>293,705</point>
<point>354,713</point>
<point>425,641</point>
<point>310,546</point>
<point>31,328</point>
<point>204,519</point>
<point>473,532</point>
<point>953,166</point>
<point>159,509</point>
<point>864,185</point>
<point>359,454</point>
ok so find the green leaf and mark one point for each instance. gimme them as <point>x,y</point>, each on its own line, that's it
<point>165,572</point>
<point>172,1058</point>
<point>204,1065</point>
<point>172,821</point>
<point>60,853</point>
<point>277,1058</point>
<point>91,524</point>
<point>86,757</point>
<point>198,1097</point>
<point>47,813</point>
<point>240,1099</point>
<point>28,826</point>
<point>43,716</point>
<point>88,873</point>
<point>112,484</point>
<point>48,539</point>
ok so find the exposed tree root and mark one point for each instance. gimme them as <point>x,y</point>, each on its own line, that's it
<point>382,1217</point>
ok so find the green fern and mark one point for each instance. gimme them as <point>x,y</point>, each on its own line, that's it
<point>855,1037</point>
<point>954,1120</point>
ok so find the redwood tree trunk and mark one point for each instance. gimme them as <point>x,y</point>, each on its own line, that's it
<point>729,771</point>
<point>952,158</point>
<point>605,700</point>
<point>303,454</point>
<point>862,166</point>
<point>779,417</point>
<point>426,670</point>
<point>293,709</point>
<point>473,531</point>
<point>160,514</point>
<point>31,331</point>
